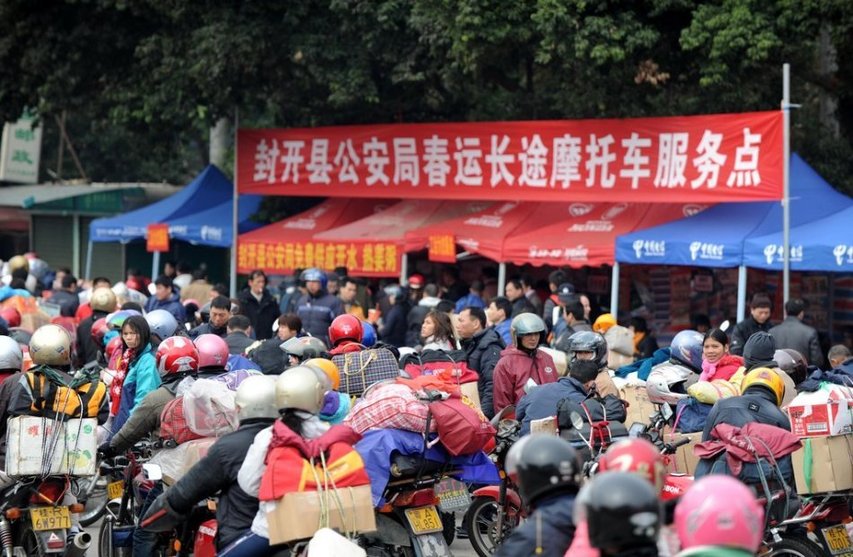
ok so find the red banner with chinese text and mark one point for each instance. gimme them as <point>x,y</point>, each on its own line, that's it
<point>158,238</point>
<point>442,248</point>
<point>713,158</point>
<point>369,259</point>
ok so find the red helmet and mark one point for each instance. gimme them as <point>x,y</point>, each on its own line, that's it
<point>635,455</point>
<point>345,327</point>
<point>212,351</point>
<point>177,355</point>
<point>12,316</point>
<point>99,330</point>
<point>113,345</point>
<point>136,284</point>
<point>417,281</point>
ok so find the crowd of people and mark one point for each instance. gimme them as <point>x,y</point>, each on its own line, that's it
<point>129,346</point>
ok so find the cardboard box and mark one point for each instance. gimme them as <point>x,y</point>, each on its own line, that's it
<point>824,464</point>
<point>821,413</point>
<point>545,425</point>
<point>640,408</point>
<point>297,515</point>
<point>684,461</point>
<point>74,445</point>
<point>470,390</point>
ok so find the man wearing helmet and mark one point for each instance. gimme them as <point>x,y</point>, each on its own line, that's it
<point>103,302</point>
<point>345,333</point>
<point>547,472</point>
<point>317,308</point>
<point>522,362</point>
<point>217,471</point>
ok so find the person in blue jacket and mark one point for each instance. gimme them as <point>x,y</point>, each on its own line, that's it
<point>166,298</point>
<point>142,376</point>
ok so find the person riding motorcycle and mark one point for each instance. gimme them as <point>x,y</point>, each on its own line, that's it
<point>11,360</point>
<point>102,302</point>
<point>623,515</point>
<point>667,382</point>
<point>162,325</point>
<point>588,345</point>
<point>299,396</point>
<point>523,361</point>
<point>719,517</point>
<point>345,334</point>
<point>336,405</point>
<point>212,355</point>
<point>299,349</point>
<point>217,471</point>
<point>547,472</point>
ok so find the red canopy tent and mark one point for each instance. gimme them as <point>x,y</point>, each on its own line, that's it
<point>587,235</point>
<point>287,245</point>
<point>373,246</point>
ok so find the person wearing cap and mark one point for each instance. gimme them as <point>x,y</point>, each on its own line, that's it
<point>758,320</point>
<point>564,294</point>
<point>759,352</point>
<point>393,329</point>
<point>794,334</point>
<point>620,342</point>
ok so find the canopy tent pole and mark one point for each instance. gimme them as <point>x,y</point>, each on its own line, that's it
<point>89,248</point>
<point>155,265</point>
<point>404,270</point>
<point>786,182</point>
<point>235,232</point>
<point>614,291</point>
<point>75,245</point>
<point>741,293</point>
<point>501,278</point>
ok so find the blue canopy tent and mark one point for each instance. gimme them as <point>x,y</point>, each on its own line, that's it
<point>200,213</point>
<point>716,237</point>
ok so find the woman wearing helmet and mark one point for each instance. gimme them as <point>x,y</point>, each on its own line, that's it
<point>719,517</point>
<point>345,334</point>
<point>547,472</point>
<point>136,370</point>
<point>336,405</point>
<point>217,471</point>
<point>299,349</point>
<point>523,362</point>
<point>299,396</point>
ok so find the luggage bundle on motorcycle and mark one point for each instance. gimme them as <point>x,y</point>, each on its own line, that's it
<point>41,446</point>
<point>360,370</point>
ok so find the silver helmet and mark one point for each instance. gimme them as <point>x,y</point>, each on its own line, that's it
<point>11,355</point>
<point>162,323</point>
<point>50,345</point>
<point>255,398</point>
<point>300,388</point>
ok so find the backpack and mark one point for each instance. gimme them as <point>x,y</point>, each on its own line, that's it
<point>173,423</point>
<point>691,415</point>
<point>359,370</point>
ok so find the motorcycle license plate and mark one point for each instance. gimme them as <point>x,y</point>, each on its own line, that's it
<point>50,518</point>
<point>837,539</point>
<point>115,489</point>
<point>424,520</point>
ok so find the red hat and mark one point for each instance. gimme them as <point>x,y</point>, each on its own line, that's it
<point>416,281</point>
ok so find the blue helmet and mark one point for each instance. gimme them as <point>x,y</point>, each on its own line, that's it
<point>368,334</point>
<point>686,348</point>
<point>314,274</point>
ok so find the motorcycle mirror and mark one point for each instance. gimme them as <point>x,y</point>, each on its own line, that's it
<point>666,411</point>
<point>577,420</point>
<point>724,326</point>
<point>152,472</point>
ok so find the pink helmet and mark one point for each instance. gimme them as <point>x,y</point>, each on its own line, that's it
<point>212,351</point>
<point>719,511</point>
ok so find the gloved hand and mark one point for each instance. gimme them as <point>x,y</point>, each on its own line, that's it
<point>106,451</point>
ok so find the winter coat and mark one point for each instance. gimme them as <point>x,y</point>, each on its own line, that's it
<point>394,326</point>
<point>415,319</point>
<point>217,473</point>
<point>142,378</point>
<point>482,353</point>
<point>317,313</point>
<point>469,300</point>
<point>541,402</point>
<point>550,527</point>
<point>262,314</point>
<point>270,357</point>
<point>208,329</point>
<point>68,302</point>
<point>522,305</point>
<point>87,351</point>
<point>144,420</point>
<point>794,334</point>
<point>513,371</point>
<point>723,369</point>
<point>744,330</point>
<point>237,342</point>
<point>172,304</point>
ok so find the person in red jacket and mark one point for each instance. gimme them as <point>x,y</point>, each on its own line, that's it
<point>717,362</point>
<point>523,361</point>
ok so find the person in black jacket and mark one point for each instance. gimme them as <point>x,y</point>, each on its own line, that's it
<point>217,471</point>
<point>482,348</point>
<point>258,305</point>
<point>217,322</point>
<point>759,320</point>
<point>268,354</point>
<point>103,302</point>
<point>393,330</point>
<point>317,308</point>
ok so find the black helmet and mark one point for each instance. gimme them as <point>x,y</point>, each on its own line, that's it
<point>622,511</point>
<point>587,341</point>
<point>541,465</point>
<point>793,363</point>
<point>525,324</point>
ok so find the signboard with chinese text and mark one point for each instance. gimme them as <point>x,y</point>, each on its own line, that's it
<point>158,237</point>
<point>442,248</point>
<point>723,157</point>
<point>20,152</point>
<point>370,259</point>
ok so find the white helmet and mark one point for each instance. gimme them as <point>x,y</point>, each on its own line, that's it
<point>300,388</point>
<point>255,398</point>
<point>661,378</point>
<point>11,355</point>
<point>50,345</point>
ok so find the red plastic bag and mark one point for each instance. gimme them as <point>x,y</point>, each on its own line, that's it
<point>462,427</point>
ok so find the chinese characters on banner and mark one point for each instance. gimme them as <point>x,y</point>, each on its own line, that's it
<point>724,157</point>
<point>158,237</point>
<point>374,259</point>
<point>442,248</point>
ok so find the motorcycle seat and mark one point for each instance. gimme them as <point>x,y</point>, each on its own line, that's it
<point>404,466</point>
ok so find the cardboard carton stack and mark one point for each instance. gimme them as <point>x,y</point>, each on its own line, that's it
<point>72,446</point>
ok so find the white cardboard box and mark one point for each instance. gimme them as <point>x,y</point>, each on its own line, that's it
<point>821,413</point>
<point>73,446</point>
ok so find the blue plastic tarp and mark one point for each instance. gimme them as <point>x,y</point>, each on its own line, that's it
<point>822,245</point>
<point>716,237</point>
<point>213,227</point>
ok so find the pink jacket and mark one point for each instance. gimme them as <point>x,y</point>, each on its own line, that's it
<point>514,369</point>
<point>723,369</point>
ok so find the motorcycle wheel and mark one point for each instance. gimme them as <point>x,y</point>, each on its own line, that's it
<point>794,547</point>
<point>448,520</point>
<point>96,502</point>
<point>29,542</point>
<point>481,525</point>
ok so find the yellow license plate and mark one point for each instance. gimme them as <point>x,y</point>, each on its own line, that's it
<point>837,539</point>
<point>50,518</point>
<point>115,489</point>
<point>424,520</point>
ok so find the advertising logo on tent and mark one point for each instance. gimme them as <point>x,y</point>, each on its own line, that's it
<point>774,253</point>
<point>211,233</point>
<point>577,253</point>
<point>691,209</point>
<point>580,209</point>
<point>702,250</point>
<point>649,248</point>
<point>843,254</point>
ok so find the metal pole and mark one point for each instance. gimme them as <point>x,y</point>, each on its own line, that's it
<point>614,291</point>
<point>404,270</point>
<point>234,214</point>
<point>741,293</point>
<point>786,182</point>
<point>155,265</point>
<point>89,260</point>
<point>75,245</point>
<point>501,278</point>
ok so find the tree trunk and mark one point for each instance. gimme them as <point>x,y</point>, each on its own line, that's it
<point>827,67</point>
<point>219,142</point>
